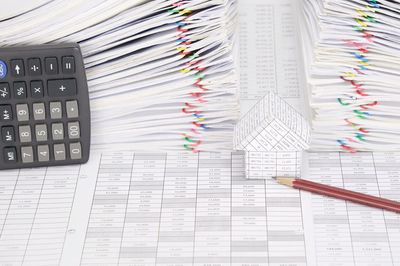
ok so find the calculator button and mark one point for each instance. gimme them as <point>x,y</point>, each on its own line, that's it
<point>43,153</point>
<point>19,90</point>
<point>55,110</point>
<point>73,130</point>
<point>3,69</point>
<point>75,151</point>
<point>25,133</point>
<point>61,87</point>
<point>39,112</point>
<point>10,155</point>
<point>51,65</point>
<point>37,89</point>
<point>7,134</point>
<point>34,67</point>
<point>41,132</point>
<point>4,91</point>
<point>72,109</point>
<point>27,154</point>
<point>17,68</point>
<point>6,112</point>
<point>57,130</point>
<point>68,64</point>
<point>59,152</point>
<point>22,112</point>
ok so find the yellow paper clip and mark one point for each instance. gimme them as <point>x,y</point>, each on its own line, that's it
<point>362,13</point>
<point>364,63</point>
<point>350,74</point>
<point>361,23</point>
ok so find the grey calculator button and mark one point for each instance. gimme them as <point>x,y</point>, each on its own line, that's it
<point>17,68</point>
<point>22,112</point>
<point>37,89</point>
<point>75,151</point>
<point>51,65</point>
<point>74,131</point>
<point>27,154</point>
<point>43,153</point>
<point>61,87</point>
<point>8,134</point>
<point>4,91</point>
<point>72,109</point>
<point>68,64</point>
<point>20,90</point>
<point>41,132</point>
<point>55,110</point>
<point>39,112</point>
<point>25,133</point>
<point>6,112</point>
<point>10,155</point>
<point>34,67</point>
<point>59,152</point>
<point>57,131</point>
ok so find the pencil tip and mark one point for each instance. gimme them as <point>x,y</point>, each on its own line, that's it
<point>274,177</point>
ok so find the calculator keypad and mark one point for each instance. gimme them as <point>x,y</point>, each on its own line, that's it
<point>44,107</point>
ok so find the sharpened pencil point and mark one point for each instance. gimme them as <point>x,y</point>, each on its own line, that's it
<point>274,177</point>
<point>285,180</point>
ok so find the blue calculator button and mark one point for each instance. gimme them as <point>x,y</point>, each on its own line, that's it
<point>3,69</point>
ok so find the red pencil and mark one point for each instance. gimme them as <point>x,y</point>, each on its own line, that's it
<point>340,193</point>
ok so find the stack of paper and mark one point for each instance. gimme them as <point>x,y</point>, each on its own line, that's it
<point>161,73</point>
<point>352,54</point>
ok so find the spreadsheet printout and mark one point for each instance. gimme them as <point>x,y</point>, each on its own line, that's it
<point>269,51</point>
<point>129,208</point>
<point>346,233</point>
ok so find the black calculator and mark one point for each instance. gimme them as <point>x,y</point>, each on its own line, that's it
<point>44,106</point>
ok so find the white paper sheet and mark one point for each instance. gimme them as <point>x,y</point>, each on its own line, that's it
<point>126,208</point>
<point>269,54</point>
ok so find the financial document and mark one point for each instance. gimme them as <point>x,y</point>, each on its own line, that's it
<point>129,208</point>
<point>269,62</point>
<point>269,51</point>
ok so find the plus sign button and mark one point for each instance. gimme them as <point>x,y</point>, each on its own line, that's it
<point>61,87</point>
